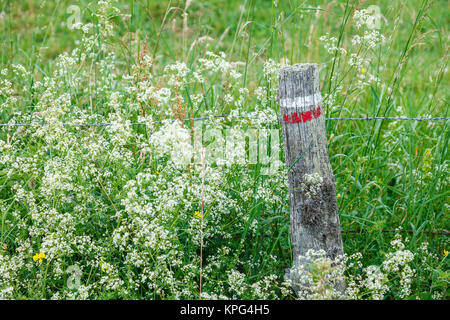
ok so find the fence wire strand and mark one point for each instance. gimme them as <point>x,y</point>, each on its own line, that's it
<point>444,233</point>
<point>211,117</point>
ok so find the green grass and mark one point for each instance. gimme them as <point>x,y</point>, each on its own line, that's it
<point>390,174</point>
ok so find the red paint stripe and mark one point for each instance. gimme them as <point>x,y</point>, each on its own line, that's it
<point>307,116</point>
<point>295,117</point>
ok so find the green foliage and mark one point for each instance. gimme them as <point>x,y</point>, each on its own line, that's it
<point>111,200</point>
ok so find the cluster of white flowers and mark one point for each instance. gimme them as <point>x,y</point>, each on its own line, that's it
<point>330,100</point>
<point>262,289</point>
<point>358,53</point>
<point>330,44</point>
<point>312,182</point>
<point>107,10</point>
<point>266,94</point>
<point>177,73</point>
<point>318,277</point>
<point>135,216</point>
<point>270,69</point>
<point>397,262</point>
<point>175,141</point>
<point>369,39</point>
<point>131,206</point>
<point>377,281</point>
<point>217,63</point>
<point>369,18</point>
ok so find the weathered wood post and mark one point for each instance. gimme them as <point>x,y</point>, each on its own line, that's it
<point>312,190</point>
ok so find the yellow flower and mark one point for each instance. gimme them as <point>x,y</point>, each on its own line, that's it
<point>338,195</point>
<point>198,215</point>
<point>445,252</point>
<point>157,172</point>
<point>39,257</point>
<point>363,70</point>
<point>105,267</point>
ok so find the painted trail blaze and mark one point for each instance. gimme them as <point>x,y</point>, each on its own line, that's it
<point>296,117</point>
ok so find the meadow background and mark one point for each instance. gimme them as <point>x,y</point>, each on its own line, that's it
<point>104,212</point>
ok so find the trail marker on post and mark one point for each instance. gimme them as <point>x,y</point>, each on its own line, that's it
<point>312,189</point>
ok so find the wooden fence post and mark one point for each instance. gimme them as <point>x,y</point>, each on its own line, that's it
<point>312,190</point>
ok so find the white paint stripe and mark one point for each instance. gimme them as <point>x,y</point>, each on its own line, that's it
<point>301,102</point>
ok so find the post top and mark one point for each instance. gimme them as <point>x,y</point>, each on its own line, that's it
<point>296,68</point>
<point>298,80</point>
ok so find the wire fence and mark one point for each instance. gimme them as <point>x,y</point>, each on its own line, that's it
<point>212,117</point>
<point>419,119</point>
<point>361,231</point>
<point>436,233</point>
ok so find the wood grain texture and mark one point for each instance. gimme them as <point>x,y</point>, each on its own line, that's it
<point>313,207</point>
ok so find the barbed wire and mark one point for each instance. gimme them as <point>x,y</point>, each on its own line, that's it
<point>445,233</point>
<point>391,118</point>
<point>435,233</point>
<point>211,117</point>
